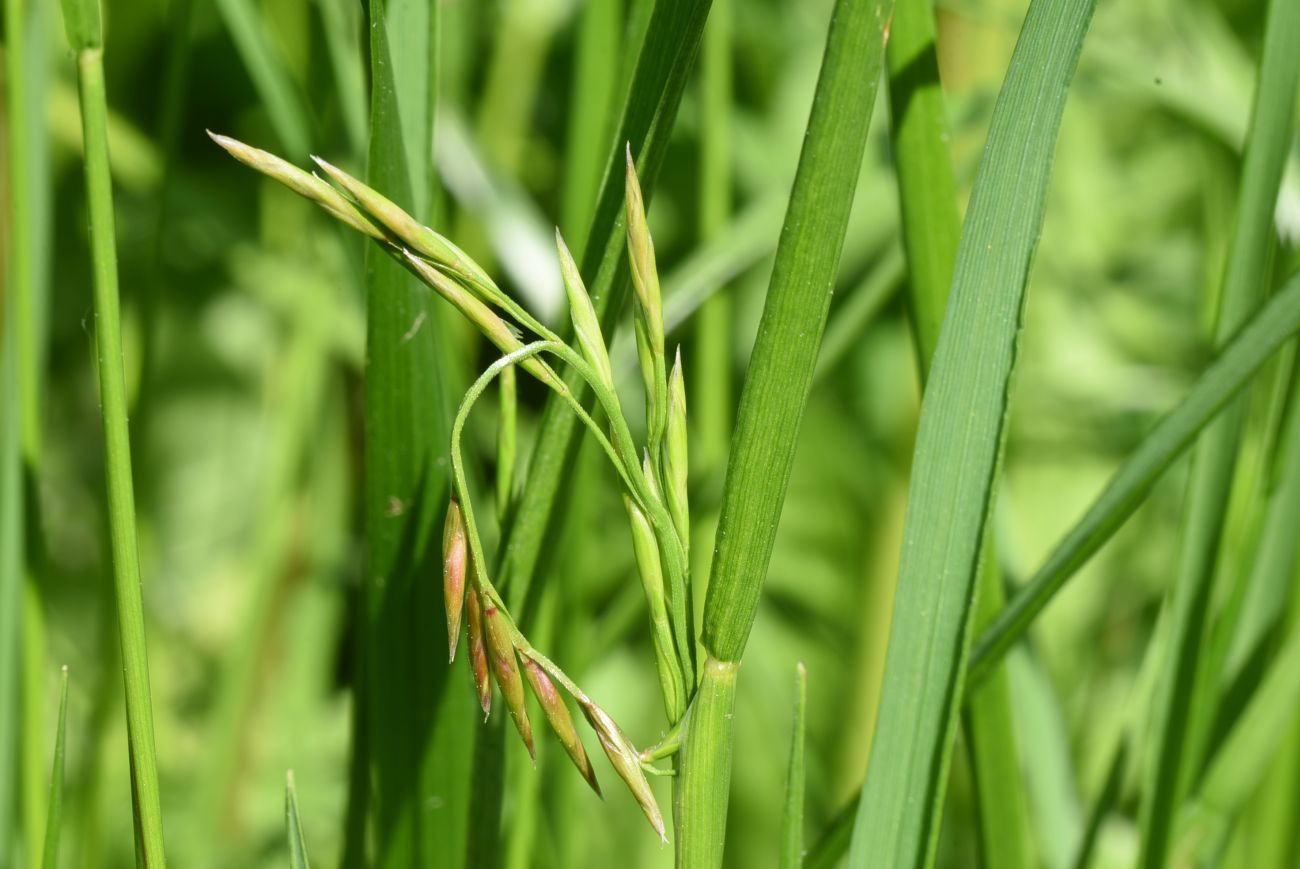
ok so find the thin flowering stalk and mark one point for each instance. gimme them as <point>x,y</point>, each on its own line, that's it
<point>642,490</point>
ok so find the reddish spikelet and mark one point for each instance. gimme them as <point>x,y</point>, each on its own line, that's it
<point>505,667</point>
<point>455,562</point>
<point>478,654</point>
<point>557,714</point>
<point>626,761</point>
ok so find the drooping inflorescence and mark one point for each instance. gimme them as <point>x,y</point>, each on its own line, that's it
<point>653,476</point>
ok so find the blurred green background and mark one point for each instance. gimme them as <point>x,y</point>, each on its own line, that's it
<point>245,338</point>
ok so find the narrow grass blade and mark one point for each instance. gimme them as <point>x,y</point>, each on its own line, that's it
<point>931,231</point>
<point>1240,359</point>
<point>86,38</point>
<point>341,22</point>
<point>1183,711</point>
<point>993,746</point>
<point>293,826</point>
<point>54,813</point>
<point>958,446</point>
<point>1269,584</point>
<point>587,140</point>
<point>926,186</point>
<point>776,390</point>
<point>284,103</point>
<point>791,854</point>
<point>1245,756</point>
<point>1106,799</point>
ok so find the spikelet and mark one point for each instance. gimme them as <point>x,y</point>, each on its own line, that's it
<point>488,321</point>
<point>455,562</point>
<point>478,658</point>
<point>585,323</point>
<point>505,667</point>
<point>411,232</point>
<point>650,568</point>
<point>675,457</point>
<point>625,760</point>
<point>557,714</point>
<point>649,320</point>
<point>303,183</point>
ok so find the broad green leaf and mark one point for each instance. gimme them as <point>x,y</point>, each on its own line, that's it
<point>414,744</point>
<point>958,445</point>
<point>776,389</point>
<point>931,230</point>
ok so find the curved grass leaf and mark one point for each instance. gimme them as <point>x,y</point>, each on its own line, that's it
<point>1266,332</point>
<point>958,445</point>
<point>776,390</point>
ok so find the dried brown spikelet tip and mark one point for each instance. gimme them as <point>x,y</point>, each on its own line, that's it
<point>455,562</point>
<point>557,714</point>
<point>626,761</point>
<point>505,667</point>
<point>478,654</point>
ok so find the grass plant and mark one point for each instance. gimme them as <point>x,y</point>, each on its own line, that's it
<point>615,359</point>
